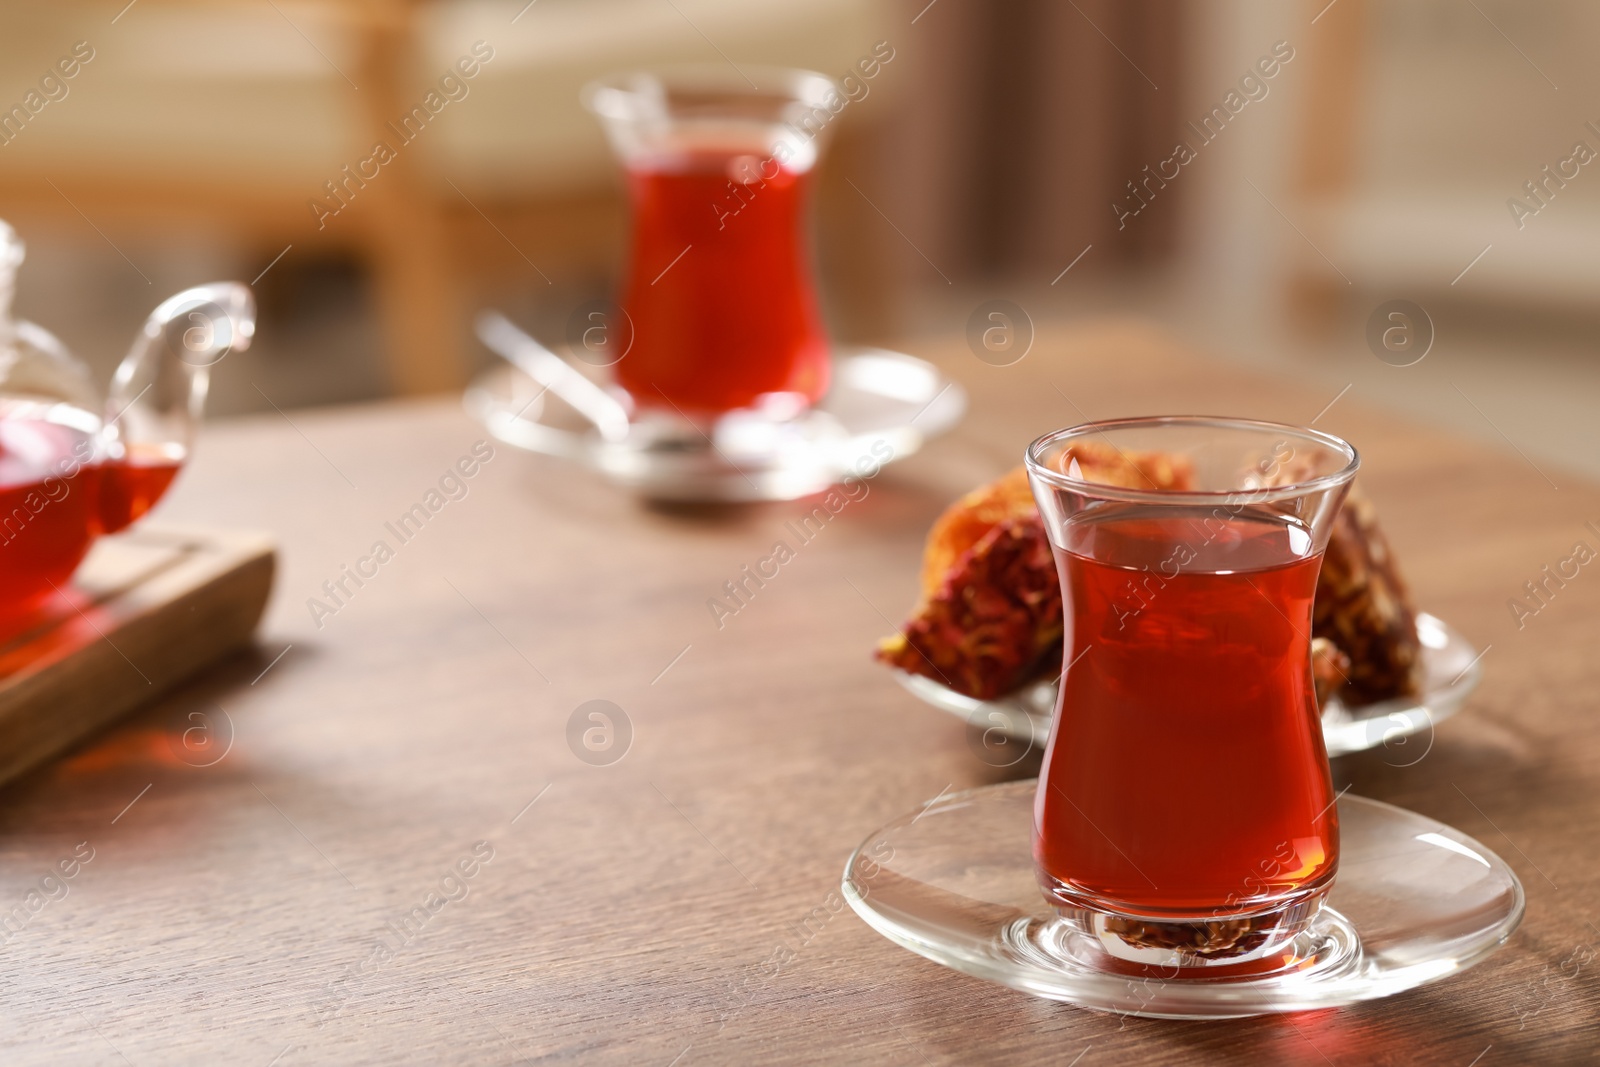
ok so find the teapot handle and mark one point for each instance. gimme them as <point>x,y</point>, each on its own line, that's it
<point>159,390</point>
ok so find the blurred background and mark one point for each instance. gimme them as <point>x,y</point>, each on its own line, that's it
<point>1010,149</point>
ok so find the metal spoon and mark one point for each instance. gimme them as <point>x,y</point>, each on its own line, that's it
<point>551,371</point>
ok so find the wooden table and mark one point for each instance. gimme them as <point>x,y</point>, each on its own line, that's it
<point>630,912</point>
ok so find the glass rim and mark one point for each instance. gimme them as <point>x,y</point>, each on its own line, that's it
<point>1034,461</point>
<point>796,84</point>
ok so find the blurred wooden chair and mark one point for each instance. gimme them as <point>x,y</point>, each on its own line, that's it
<point>1324,165</point>
<point>147,178</point>
<point>266,100</point>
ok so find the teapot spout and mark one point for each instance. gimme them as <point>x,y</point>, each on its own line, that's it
<point>159,392</point>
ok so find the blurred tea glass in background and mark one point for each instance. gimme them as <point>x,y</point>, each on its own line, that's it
<point>1023,150</point>
<point>714,160</point>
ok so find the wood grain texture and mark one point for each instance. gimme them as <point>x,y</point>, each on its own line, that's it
<point>628,916</point>
<point>152,606</point>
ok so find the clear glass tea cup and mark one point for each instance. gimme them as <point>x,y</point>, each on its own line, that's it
<point>1185,814</point>
<point>719,309</point>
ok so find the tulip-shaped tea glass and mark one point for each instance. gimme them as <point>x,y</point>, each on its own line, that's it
<point>721,312</point>
<point>1185,816</point>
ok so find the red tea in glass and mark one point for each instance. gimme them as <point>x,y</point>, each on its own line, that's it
<point>1185,810</point>
<point>719,289</point>
<point>721,305</point>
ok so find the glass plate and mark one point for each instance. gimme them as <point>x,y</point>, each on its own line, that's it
<point>1414,901</point>
<point>1450,671</point>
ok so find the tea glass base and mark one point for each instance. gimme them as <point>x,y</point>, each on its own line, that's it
<point>1414,902</point>
<point>1256,941</point>
<point>1325,947</point>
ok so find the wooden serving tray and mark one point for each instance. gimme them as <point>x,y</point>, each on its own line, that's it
<point>146,609</point>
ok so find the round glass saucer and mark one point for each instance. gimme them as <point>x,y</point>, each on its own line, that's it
<point>1450,672</point>
<point>881,407</point>
<point>1414,901</point>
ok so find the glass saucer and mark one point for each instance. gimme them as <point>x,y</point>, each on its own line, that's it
<point>1414,901</point>
<point>882,406</point>
<point>1450,671</point>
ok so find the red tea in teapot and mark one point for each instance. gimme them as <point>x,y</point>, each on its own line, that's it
<point>57,496</point>
<point>68,473</point>
<point>48,503</point>
<point>129,487</point>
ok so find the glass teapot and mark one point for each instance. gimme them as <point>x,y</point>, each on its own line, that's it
<point>73,467</point>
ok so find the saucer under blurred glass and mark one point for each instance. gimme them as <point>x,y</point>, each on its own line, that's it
<point>882,406</point>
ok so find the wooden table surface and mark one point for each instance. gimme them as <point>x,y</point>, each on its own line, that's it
<point>260,909</point>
